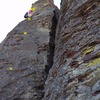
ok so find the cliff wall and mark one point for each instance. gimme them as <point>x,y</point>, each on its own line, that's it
<point>55,55</point>
<point>25,55</point>
<point>75,74</point>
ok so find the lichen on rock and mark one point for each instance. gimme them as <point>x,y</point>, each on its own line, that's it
<point>54,55</point>
<point>24,55</point>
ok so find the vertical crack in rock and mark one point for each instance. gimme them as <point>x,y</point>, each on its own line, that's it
<point>52,34</point>
<point>27,54</point>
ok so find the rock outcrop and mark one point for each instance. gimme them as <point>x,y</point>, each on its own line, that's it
<point>25,55</point>
<point>40,62</point>
<point>75,74</point>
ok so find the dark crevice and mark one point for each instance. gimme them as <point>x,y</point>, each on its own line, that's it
<point>97,92</point>
<point>52,34</point>
<point>50,56</point>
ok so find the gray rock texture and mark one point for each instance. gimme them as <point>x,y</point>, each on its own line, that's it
<point>40,62</point>
<point>75,74</point>
<point>25,55</point>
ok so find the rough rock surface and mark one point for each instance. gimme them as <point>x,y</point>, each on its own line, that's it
<point>72,55</point>
<point>75,74</point>
<point>26,52</point>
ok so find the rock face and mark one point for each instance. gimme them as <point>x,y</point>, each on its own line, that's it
<point>25,55</point>
<point>37,64</point>
<point>75,74</point>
